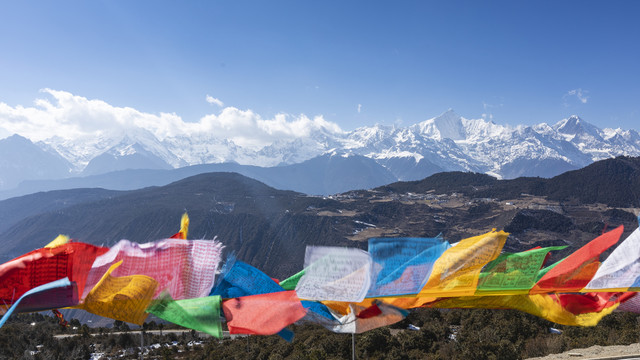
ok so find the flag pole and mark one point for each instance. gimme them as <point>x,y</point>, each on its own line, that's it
<point>353,346</point>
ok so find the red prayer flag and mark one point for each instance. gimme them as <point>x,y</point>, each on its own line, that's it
<point>369,312</point>
<point>264,314</point>
<point>42,266</point>
<point>574,272</point>
<point>591,302</point>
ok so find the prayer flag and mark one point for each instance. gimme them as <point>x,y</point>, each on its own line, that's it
<point>621,270</point>
<point>335,273</point>
<point>241,279</point>
<point>291,282</point>
<point>631,305</point>
<point>202,314</point>
<point>185,268</point>
<point>263,314</point>
<point>575,271</point>
<point>121,298</point>
<point>456,272</point>
<point>403,265</point>
<point>541,305</point>
<point>55,298</point>
<point>343,308</point>
<point>318,312</point>
<point>61,283</point>
<point>42,266</point>
<point>512,273</point>
<point>360,319</point>
<point>184,228</point>
<point>59,240</point>
<point>579,303</point>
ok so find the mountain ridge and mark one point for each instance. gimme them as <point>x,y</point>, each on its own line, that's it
<point>448,142</point>
<point>322,175</point>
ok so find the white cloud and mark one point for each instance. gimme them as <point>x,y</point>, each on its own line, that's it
<point>580,94</point>
<point>211,100</point>
<point>359,108</point>
<point>248,129</point>
<point>72,117</point>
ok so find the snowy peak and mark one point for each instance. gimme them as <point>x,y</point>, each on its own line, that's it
<point>574,126</point>
<point>446,126</point>
<point>570,126</point>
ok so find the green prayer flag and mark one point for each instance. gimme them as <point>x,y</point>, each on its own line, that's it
<point>291,282</point>
<point>201,314</point>
<point>512,273</point>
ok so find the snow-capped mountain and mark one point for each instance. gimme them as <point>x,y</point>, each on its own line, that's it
<point>450,142</point>
<point>447,142</point>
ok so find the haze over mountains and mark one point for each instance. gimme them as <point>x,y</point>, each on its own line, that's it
<point>324,162</point>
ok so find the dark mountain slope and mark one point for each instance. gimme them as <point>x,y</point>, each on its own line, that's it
<point>14,209</point>
<point>614,182</point>
<point>446,182</point>
<point>249,217</point>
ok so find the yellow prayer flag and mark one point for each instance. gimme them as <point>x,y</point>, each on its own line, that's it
<point>541,305</point>
<point>121,298</point>
<point>456,272</point>
<point>184,228</point>
<point>184,225</point>
<point>60,240</point>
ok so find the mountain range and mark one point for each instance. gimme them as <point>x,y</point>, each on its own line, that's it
<point>325,162</point>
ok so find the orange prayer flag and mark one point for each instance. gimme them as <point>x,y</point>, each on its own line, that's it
<point>342,307</point>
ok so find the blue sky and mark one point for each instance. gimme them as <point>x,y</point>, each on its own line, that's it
<point>354,63</point>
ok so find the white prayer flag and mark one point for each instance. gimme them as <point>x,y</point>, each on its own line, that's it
<point>335,273</point>
<point>621,270</point>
